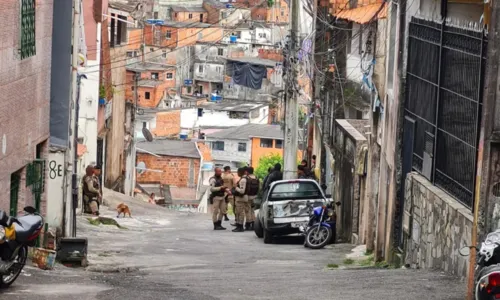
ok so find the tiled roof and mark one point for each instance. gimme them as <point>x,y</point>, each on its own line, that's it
<point>178,8</point>
<point>364,14</point>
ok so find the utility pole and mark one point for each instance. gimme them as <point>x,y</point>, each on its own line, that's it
<point>292,103</point>
<point>134,137</point>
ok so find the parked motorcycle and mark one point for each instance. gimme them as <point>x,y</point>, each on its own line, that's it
<point>320,229</point>
<point>16,235</point>
<point>487,270</point>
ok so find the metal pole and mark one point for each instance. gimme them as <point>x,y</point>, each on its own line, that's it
<point>74,181</point>
<point>134,113</point>
<point>292,104</point>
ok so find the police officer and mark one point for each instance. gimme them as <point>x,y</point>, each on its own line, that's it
<point>228,179</point>
<point>218,191</point>
<point>252,191</point>
<point>240,200</point>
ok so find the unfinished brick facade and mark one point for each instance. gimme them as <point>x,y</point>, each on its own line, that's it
<point>168,123</point>
<point>24,99</point>
<point>176,171</point>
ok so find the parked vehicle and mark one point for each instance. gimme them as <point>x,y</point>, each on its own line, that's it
<point>487,270</point>
<point>16,235</point>
<point>285,207</point>
<point>320,230</point>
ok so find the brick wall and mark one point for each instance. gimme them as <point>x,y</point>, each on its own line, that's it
<point>168,123</point>
<point>271,54</point>
<point>24,95</point>
<point>175,170</point>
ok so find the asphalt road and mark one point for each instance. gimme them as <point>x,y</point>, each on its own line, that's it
<point>171,255</point>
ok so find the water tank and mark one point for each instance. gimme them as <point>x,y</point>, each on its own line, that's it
<point>183,135</point>
<point>233,39</point>
<point>215,97</point>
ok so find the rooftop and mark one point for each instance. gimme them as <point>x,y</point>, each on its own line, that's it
<point>169,148</point>
<point>247,131</point>
<point>217,4</point>
<point>179,24</point>
<point>147,66</point>
<point>179,8</point>
<point>255,61</point>
<point>123,5</point>
<point>236,106</point>
<point>150,82</point>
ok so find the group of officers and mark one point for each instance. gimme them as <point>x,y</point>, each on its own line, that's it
<point>240,195</point>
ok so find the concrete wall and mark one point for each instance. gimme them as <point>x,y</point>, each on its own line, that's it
<point>175,171</point>
<point>436,227</point>
<point>231,152</point>
<point>55,182</point>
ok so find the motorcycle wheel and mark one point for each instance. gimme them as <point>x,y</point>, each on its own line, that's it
<point>317,239</point>
<point>15,270</point>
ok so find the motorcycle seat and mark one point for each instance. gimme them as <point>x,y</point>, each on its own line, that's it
<point>28,225</point>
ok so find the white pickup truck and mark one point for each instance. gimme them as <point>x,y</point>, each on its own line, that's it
<point>283,209</point>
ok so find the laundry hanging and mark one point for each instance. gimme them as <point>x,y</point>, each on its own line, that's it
<point>248,75</point>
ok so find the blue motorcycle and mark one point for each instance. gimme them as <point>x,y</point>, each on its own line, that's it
<point>320,230</point>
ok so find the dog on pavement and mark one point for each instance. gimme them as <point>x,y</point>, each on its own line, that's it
<point>122,208</point>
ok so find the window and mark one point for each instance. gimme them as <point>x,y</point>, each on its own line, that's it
<point>170,75</point>
<point>175,15</point>
<point>266,143</point>
<point>201,18</point>
<point>164,53</point>
<point>200,35</point>
<point>151,49</point>
<point>223,15</point>
<point>220,51</point>
<point>188,90</point>
<point>130,53</point>
<point>28,34</point>
<point>242,147</point>
<point>155,76</point>
<point>155,15</point>
<point>279,144</point>
<point>282,12</point>
<point>147,95</point>
<point>295,190</point>
<point>133,88</point>
<point>218,146</point>
<point>168,35</point>
<point>218,69</point>
<point>190,16</point>
<point>200,68</point>
<point>262,35</point>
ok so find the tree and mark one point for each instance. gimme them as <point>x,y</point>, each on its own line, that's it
<point>267,162</point>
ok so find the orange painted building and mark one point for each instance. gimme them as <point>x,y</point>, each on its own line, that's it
<point>278,13</point>
<point>188,14</point>
<point>156,80</point>
<point>178,34</point>
<point>262,146</point>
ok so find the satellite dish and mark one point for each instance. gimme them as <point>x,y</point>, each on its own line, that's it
<point>141,167</point>
<point>147,134</point>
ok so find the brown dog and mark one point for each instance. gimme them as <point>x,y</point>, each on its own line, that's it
<point>122,208</point>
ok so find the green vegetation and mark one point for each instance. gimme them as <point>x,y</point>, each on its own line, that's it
<point>332,266</point>
<point>267,162</point>
<point>105,221</point>
<point>348,261</point>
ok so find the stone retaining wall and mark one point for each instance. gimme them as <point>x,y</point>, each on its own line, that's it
<point>436,226</point>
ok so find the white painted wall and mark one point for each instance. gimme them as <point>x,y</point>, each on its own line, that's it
<point>231,152</point>
<point>55,184</point>
<point>211,118</point>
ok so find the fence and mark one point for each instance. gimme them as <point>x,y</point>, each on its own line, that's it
<point>443,106</point>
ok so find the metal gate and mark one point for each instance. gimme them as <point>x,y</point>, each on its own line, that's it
<point>444,83</point>
<point>15,184</point>
<point>35,179</point>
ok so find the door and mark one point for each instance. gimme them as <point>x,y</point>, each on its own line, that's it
<point>201,18</point>
<point>407,165</point>
<point>200,89</point>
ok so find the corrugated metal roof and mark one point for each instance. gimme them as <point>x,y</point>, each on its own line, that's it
<point>179,8</point>
<point>250,130</point>
<point>364,14</point>
<point>169,148</point>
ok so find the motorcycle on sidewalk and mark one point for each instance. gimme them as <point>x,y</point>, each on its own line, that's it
<point>487,270</point>
<point>16,235</point>
<point>321,228</point>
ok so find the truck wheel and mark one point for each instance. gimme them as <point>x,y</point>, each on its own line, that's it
<point>257,228</point>
<point>268,237</point>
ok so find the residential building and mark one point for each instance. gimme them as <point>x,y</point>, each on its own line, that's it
<point>270,79</point>
<point>26,104</point>
<point>161,123</point>
<point>277,13</point>
<point>226,14</point>
<point>173,34</point>
<point>223,115</point>
<point>156,84</point>
<point>253,34</point>
<point>208,68</point>
<point>188,14</point>
<point>245,144</point>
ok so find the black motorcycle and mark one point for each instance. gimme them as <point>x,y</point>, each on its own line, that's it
<point>16,235</point>
<point>320,230</point>
<point>487,271</point>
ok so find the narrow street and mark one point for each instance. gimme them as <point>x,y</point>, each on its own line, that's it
<point>162,254</point>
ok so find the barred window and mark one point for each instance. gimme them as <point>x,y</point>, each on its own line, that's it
<point>28,34</point>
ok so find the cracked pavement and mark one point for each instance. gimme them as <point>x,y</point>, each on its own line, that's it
<point>172,255</point>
